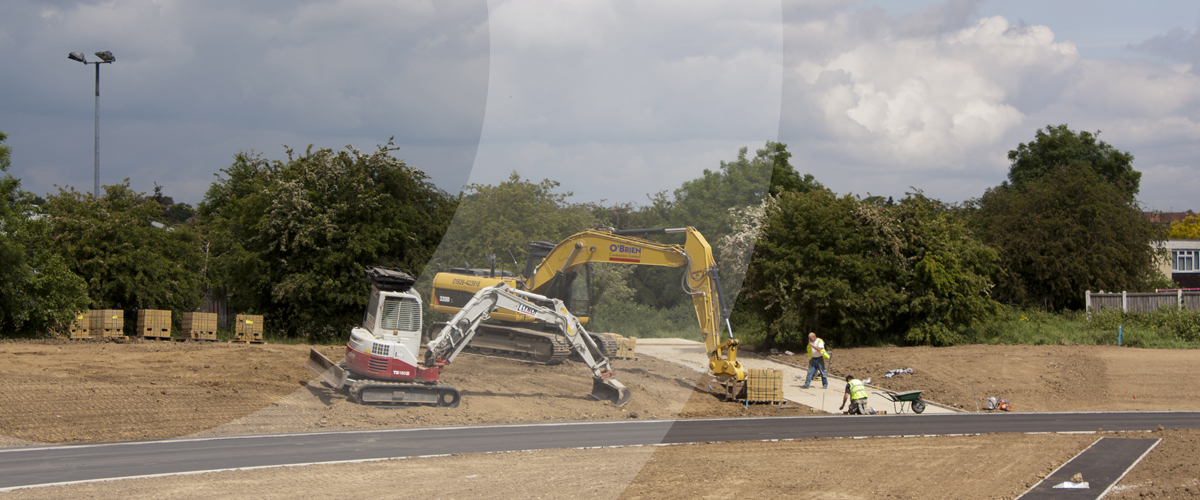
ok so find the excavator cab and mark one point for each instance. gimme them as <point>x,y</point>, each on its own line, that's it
<point>574,289</point>
<point>538,250</point>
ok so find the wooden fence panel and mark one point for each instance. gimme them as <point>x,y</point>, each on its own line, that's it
<point>1191,301</point>
<point>1102,301</point>
<point>1150,302</point>
<point>1143,302</point>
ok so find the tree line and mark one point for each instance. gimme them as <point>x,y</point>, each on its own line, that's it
<point>289,240</point>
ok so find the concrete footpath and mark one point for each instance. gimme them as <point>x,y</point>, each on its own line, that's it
<point>691,354</point>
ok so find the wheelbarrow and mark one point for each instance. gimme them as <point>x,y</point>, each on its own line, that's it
<point>899,399</point>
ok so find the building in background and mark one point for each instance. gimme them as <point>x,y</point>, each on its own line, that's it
<point>1167,218</point>
<point>1183,266</point>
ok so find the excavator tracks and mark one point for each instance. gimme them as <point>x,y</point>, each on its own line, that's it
<point>382,393</point>
<point>607,344</point>
<point>511,342</point>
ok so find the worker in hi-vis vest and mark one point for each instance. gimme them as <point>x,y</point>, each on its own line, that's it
<point>856,392</point>
<point>817,355</point>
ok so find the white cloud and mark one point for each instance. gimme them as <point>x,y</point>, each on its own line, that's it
<point>883,103</point>
<point>931,101</point>
<point>601,71</point>
<point>603,96</point>
<point>1134,89</point>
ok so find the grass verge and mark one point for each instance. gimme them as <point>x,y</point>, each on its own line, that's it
<point>1171,329</point>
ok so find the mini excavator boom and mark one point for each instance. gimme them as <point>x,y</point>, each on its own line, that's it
<point>459,331</point>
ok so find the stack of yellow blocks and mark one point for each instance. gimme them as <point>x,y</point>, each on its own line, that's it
<point>764,386</point>
<point>81,326</point>
<point>249,328</point>
<point>626,347</point>
<point>154,324</point>
<point>107,323</point>
<point>199,326</point>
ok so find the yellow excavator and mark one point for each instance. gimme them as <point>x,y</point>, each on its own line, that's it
<point>554,270</point>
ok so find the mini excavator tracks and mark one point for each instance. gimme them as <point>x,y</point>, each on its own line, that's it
<point>381,393</point>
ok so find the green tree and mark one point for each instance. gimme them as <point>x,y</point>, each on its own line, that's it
<point>860,272</point>
<point>818,268</point>
<point>5,153</point>
<point>712,203</point>
<point>737,248</point>
<point>38,293</point>
<point>290,239</point>
<point>499,219</point>
<point>1058,148</point>
<point>1064,233</point>
<point>946,274</point>
<point>783,176</point>
<point>1186,229</point>
<point>704,202</point>
<point>128,258</point>
<point>172,213</point>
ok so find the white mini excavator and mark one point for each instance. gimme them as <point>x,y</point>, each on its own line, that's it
<point>382,368</point>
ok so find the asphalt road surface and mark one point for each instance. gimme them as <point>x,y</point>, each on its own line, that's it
<point>1100,466</point>
<point>24,467</point>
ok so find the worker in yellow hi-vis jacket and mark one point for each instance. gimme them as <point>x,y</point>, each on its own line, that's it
<point>817,355</point>
<point>856,392</point>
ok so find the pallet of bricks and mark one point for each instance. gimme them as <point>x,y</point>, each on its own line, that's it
<point>764,386</point>
<point>106,323</point>
<point>249,329</point>
<point>199,326</point>
<point>154,324</point>
<point>625,347</point>
<point>81,326</point>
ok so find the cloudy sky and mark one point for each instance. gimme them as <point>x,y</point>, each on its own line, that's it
<point>614,99</point>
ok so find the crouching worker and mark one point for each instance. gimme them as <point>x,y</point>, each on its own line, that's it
<point>856,392</point>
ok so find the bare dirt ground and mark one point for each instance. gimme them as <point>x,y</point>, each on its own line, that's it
<point>85,391</point>
<point>1033,378</point>
<point>75,392</point>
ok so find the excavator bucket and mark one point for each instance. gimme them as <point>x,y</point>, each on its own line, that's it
<point>610,390</point>
<point>329,372</point>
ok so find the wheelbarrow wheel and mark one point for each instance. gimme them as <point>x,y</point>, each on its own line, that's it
<point>918,406</point>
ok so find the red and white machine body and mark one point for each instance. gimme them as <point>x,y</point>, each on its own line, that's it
<point>387,345</point>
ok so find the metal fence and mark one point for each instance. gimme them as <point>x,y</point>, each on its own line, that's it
<point>1144,302</point>
<point>217,305</point>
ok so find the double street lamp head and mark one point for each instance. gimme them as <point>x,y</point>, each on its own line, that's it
<point>104,55</point>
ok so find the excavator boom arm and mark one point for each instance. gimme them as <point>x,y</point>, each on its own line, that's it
<point>701,280</point>
<point>461,328</point>
<point>604,247</point>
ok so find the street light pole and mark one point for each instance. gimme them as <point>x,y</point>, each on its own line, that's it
<point>96,141</point>
<point>105,58</point>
